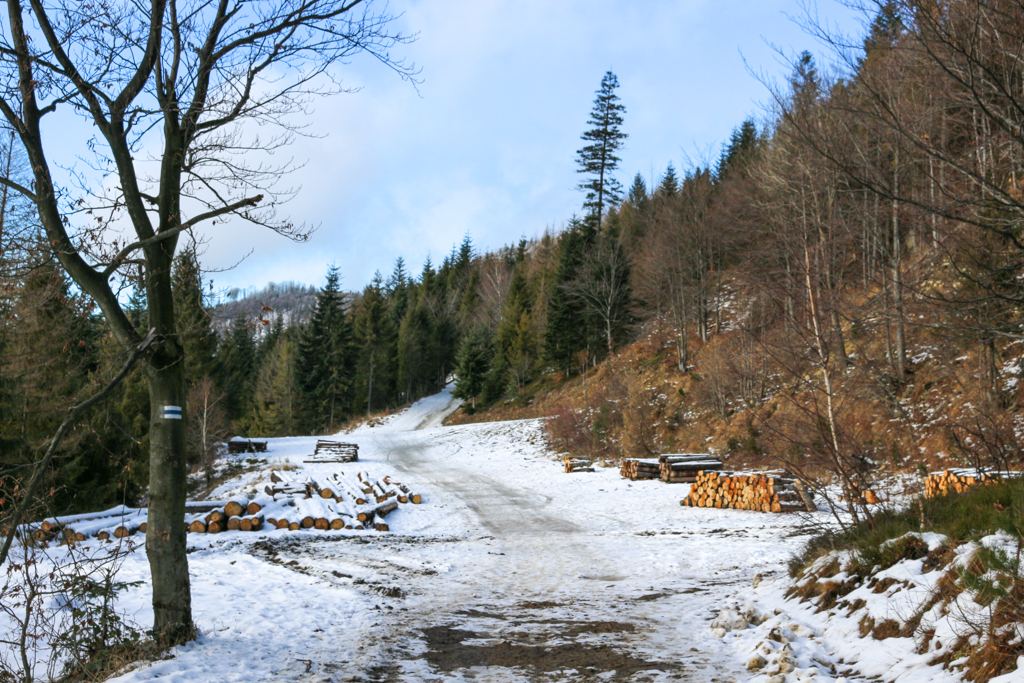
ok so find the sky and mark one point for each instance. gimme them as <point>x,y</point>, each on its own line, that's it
<point>485,146</point>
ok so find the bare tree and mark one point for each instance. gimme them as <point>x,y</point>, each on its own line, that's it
<point>603,287</point>
<point>170,89</point>
<point>207,423</point>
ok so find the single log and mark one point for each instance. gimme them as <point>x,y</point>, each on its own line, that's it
<point>197,527</point>
<point>216,516</point>
<point>386,508</point>
<point>253,508</point>
<point>365,515</point>
<point>236,508</point>
<point>234,523</point>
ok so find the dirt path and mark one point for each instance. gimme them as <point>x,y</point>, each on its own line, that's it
<point>536,596</point>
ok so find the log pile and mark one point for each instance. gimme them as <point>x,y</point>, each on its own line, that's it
<point>682,468</point>
<point>868,496</point>
<point>237,514</point>
<point>577,465</point>
<point>246,446</point>
<point>289,502</point>
<point>334,451</point>
<point>640,468</point>
<point>959,480</point>
<point>775,491</point>
<point>672,468</point>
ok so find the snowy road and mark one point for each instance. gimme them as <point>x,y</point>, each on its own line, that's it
<point>559,578</point>
<point>510,571</point>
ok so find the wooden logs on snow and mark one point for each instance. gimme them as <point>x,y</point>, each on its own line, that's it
<point>240,445</point>
<point>335,503</point>
<point>577,464</point>
<point>283,486</point>
<point>775,491</point>
<point>672,468</point>
<point>682,468</point>
<point>405,494</point>
<point>334,451</point>
<point>639,468</point>
<point>959,480</point>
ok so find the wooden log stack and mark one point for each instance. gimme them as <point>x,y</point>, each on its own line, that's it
<point>246,446</point>
<point>958,480</point>
<point>775,491</point>
<point>577,464</point>
<point>682,468</point>
<point>334,451</point>
<point>291,502</point>
<point>640,468</point>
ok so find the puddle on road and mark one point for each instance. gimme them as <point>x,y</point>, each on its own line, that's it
<point>450,649</point>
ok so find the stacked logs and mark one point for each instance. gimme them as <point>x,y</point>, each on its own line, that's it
<point>682,468</point>
<point>640,468</point>
<point>246,446</point>
<point>673,468</point>
<point>334,451</point>
<point>338,502</point>
<point>960,479</point>
<point>775,491</point>
<point>237,514</point>
<point>577,464</point>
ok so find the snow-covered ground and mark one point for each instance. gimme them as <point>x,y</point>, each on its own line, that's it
<point>510,570</point>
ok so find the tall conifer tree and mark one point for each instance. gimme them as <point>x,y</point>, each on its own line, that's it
<point>598,158</point>
<point>325,359</point>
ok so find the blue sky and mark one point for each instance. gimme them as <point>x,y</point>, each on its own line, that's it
<point>486,147</point>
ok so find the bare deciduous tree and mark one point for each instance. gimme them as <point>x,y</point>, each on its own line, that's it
<point>207,423</point>
<point>171,90</point>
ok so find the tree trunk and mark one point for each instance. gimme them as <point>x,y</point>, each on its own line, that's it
<point>165,374</point>
<point>165,533</point>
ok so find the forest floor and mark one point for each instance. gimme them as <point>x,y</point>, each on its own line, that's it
<point>509,571</point>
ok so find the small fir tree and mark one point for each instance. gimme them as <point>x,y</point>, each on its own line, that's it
<point>472,365</point>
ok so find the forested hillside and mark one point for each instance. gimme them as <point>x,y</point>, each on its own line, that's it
<point>839,289</point>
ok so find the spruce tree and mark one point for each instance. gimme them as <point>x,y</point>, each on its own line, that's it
<point>568,329</point>
<point>195,328</point>
<point>416,350</point>
<point>471,365</point>
<point>741,148</point>
<point>515,340</point>
<point>638,194</point>
<point>669,186</point>
<point>276,395</point>
<point>374,337</point>
<point>598,158</point>
<point>237,371</point>
<point>325,359</point>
